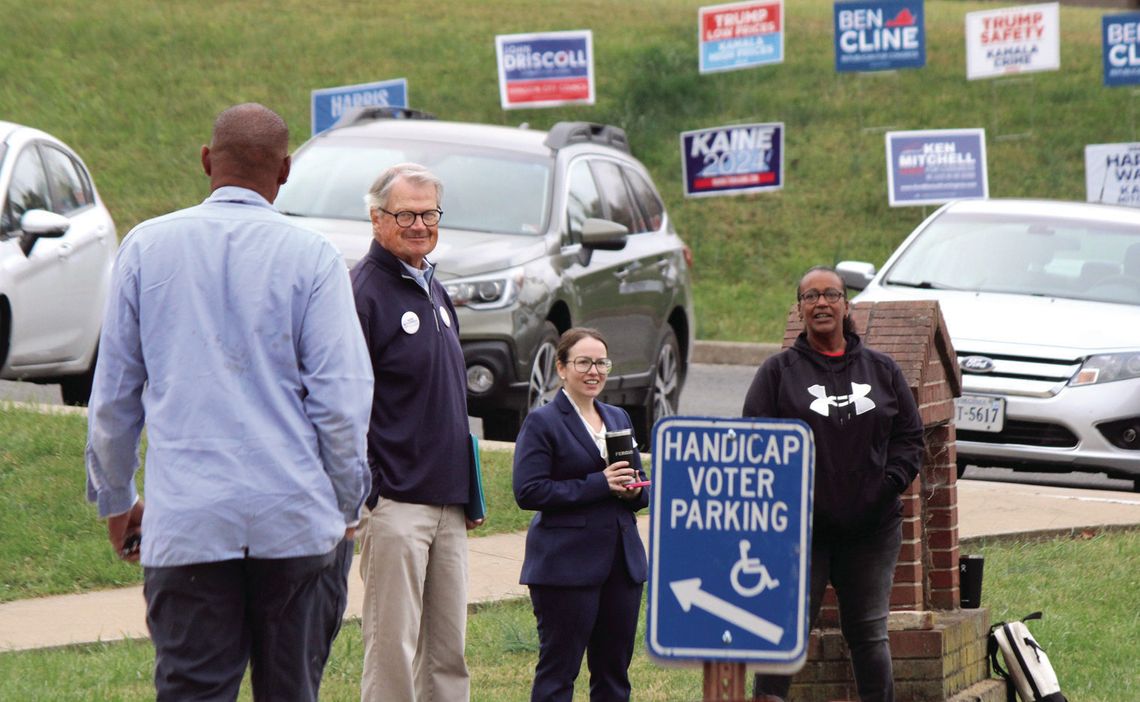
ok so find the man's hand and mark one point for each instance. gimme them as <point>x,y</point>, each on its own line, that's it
<point>471,524</point>
<point>121,526</point>
<point>350,533</point>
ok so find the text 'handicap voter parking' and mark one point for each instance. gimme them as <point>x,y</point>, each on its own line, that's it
<point>729,533</point>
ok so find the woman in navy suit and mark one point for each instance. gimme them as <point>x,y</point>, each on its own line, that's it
<point>585,564</point>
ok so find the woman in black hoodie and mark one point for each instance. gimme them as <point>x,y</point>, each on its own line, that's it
<point>868,441</point>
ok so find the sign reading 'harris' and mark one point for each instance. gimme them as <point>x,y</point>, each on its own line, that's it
<point>730,160</point>
<point>879,36</point>
<point>545,70</point>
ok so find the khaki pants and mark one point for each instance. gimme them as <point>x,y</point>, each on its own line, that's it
<point>413,562</point>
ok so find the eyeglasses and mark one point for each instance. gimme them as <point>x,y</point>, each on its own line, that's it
<point>406,218</point>
<point>812,296</point>
<point>583,364</point>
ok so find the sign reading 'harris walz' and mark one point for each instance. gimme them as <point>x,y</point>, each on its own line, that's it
<point>735,159</point>
<point>545,70</point>
<point>729,541</point>
<point>879,36</point>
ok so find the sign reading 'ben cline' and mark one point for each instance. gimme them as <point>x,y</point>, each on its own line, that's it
<point>729,541</point>
<point>877,35</point>
<point>1121,34</point>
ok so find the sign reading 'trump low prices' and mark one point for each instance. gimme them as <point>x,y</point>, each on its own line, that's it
<point>936,165</point>
<point>741,35</point>
<point>545,70</point>
<point>741,158</point>
<point>1013,40</point>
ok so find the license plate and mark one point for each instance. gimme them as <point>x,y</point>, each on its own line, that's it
<point>979,413</point>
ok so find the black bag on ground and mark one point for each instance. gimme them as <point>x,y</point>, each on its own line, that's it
<point>1027,669</point>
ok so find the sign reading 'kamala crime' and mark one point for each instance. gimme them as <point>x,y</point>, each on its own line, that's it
<point>545,70</point>
<point>935,166</point>
<point>741,35</point>
<point>730,160</point>
<point>1013,40</point>
<point>879,36</point>
<point>1121,34</point>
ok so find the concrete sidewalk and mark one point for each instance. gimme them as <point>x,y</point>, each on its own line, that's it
<point>985,509</point>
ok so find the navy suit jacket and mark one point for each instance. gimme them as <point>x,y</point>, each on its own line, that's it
<point>558,471</point>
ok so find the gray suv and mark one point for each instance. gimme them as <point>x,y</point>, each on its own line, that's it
<point>541,231</point>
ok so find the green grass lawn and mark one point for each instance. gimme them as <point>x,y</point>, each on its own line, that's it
<point>1089,630</point>
<point>134,87</point>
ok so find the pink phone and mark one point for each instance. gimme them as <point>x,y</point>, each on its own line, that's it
<point>640,483</point>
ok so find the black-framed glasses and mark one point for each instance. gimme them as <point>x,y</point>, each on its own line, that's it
<point>406,218</point>
<point>812,296</point>
<point>582,364</point>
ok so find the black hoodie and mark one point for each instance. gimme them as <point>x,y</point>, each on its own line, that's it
<point>868,433</point>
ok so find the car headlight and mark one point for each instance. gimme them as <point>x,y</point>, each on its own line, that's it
<point>485,292</point>
<point>1108,367</point>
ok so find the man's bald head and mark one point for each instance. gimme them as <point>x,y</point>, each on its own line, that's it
<point>248,148</point>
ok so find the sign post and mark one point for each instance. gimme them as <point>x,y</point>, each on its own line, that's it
<point>730,535</point>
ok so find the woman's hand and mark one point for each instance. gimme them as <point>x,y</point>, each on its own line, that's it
<point>618,475</point>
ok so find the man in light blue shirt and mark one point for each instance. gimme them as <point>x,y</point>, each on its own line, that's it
<point>231,333</point>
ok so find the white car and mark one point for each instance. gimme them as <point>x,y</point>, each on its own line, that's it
<point>1042,302</point>
<point>57,246</point>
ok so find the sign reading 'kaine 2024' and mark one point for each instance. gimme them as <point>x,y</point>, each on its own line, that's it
<point>879,36</point>
<point>1121,35</point>
<point>730,160</point>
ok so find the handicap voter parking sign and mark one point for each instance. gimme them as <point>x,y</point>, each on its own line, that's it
<point>729,540</point>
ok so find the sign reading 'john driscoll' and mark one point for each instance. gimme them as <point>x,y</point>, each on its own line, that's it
<point>729,532</point>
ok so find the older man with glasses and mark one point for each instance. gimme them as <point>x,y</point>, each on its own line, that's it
<point>414,539</point>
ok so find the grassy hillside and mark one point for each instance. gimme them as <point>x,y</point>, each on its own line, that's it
<point>135,85</point>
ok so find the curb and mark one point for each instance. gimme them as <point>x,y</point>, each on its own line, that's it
<point>737,353</point>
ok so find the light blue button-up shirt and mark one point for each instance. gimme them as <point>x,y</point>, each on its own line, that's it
<point>231,332</point>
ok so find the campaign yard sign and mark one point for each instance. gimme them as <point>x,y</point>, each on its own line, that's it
<point>1112,173</point>
<point>328,105</point>
<point>1013,40</point>
<point>1121,39</point>
<point>741,158</point>
<point>546,70</point>
<point>879,36</point>
<point>730,541</point>
<point>740,35</point>
<point>935,166</point>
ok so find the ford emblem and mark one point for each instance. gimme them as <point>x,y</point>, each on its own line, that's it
<point>976,364</point>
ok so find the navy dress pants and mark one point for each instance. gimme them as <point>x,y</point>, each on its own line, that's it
<point>208,621</point>
<point>861,568</point>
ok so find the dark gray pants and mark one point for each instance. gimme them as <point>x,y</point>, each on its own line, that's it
<point>861,568</point>
<point>208,621</point>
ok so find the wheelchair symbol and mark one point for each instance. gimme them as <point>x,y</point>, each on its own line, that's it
<point>751,566</point>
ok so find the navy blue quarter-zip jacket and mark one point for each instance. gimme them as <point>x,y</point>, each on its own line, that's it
<point>868,432</point>
<point>418,436</point>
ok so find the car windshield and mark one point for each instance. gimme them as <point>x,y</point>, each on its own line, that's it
<point>1023,254</point>
<point>490,190</point>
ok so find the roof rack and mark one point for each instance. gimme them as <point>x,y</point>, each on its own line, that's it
<point>564,134</point>
<point>356,115</point>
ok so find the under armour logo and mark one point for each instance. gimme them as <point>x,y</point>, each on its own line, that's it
<point>858,397</point>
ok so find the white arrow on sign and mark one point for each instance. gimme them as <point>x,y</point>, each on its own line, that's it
<point>688,592</point>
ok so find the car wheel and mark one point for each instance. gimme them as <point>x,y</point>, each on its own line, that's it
<point>76,389</point>
<point>665,391</point>
<point>504,425</point>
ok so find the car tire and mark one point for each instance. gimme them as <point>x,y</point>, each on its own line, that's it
<point>664,392</point>
<point>542,384</point>
<point>76,389</point>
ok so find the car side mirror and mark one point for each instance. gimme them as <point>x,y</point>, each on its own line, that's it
<point>41,224</point>
<point>604,234</point>
<point>856,275</point>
